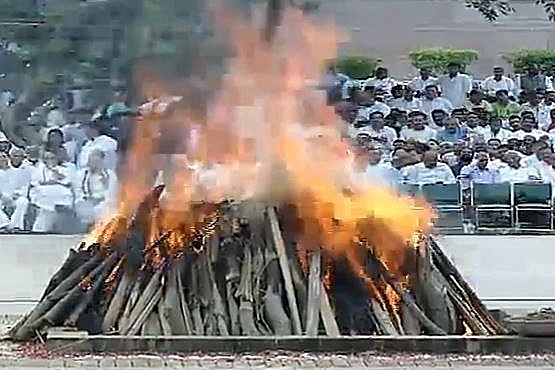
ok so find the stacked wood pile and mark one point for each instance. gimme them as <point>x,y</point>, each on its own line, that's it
<point>236,272</point>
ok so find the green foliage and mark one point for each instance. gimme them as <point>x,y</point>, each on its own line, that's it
<point>356,66</point>
<point>437,59</point>
<point>522,59</point>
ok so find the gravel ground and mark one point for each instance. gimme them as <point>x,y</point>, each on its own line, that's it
<point>35,355</point>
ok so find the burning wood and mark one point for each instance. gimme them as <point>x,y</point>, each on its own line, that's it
<point>232,271</point>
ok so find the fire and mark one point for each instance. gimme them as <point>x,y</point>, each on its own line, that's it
<point>269,136</point>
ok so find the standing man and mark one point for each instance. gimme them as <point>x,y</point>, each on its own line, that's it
<point>455,85</point>
<point>425,78</point>
<point>498,81</point>
<point>532,80</point>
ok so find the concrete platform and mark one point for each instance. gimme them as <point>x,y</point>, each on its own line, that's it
<point>507,345</point>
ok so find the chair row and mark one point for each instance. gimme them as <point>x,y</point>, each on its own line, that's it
<point>510,198</point>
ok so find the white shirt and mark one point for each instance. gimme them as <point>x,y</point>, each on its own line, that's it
<point>51,195</point>
<point>100,186</point>
<point>419,135</point>
<point>364,112</point>
<point>455,89</point>
<point>497,164</point>
<point>418,84</point>
<point>521,174</point>
<point>503,134</point>
<point>406,105</point>
<point>385,84</point>
<point>541,112</point>
<point>5,185</point>
<point>535,133</point>
<point>103,143</point>
<point>547,174</point>
<point>386,132</point>
<point>438,103</point>
<point>420,174</point>
<point>491,85</point>
<point>20,179</point>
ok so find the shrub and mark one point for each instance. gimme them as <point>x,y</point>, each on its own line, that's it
<point>437,59</point>
<point>356,66</point>
<point>522,59</point>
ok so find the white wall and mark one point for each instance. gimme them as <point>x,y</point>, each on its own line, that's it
<point>27,262</point>
<point>506,269</point>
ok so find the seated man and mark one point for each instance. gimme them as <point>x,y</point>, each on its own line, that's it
<point>52,186</point>
<point>430,171</point>
<point>479,172</point>
<point>14,194</point>
<point>515,172</point>
<point>95,190</point>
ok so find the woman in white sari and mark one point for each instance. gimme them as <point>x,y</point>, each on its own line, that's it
<point>52,186</point>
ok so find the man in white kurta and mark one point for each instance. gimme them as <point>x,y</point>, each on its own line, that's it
<point>96,141</point>
<point>15,194</point>
<point>95,190</point>
<point>52,186</point>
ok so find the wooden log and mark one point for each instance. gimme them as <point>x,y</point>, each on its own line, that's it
<point>150,290</point>
<point>131,301</point>
<point>467,314</point>
<point>153,325</point>
<point>276,315</point>
<point>383,319</point>
<point>90,294</point>
<point>171,316</point>
<point>313,299</point>
<point>432,292</point>
<point>55,315</point>
<point>195,298</point>
<point>73,261</point>
<point>447,268</point>
<point>183,306</point>
<point>232,309</point>
<point>411,325</point>
<point>406,298</point>
<point>145,313</point>
<point>286,272</point>
<point>117,302</point>
<point>245,295</point>
<point>164,322</point>
<point>25,331</point>
<point>219,308</point>
<point>328,317</point>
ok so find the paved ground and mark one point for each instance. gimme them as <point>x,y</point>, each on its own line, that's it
<point>18,358</point>
<point>36,356</point>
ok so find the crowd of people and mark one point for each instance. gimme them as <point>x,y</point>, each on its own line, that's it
<point>448,128</point>
<point>63,186</point>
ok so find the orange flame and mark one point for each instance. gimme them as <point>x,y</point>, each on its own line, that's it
<point>270,136</point>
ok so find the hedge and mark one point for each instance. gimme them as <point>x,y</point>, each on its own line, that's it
<point>356,66</point>
<point>437,59</point>
<point>522,59</point>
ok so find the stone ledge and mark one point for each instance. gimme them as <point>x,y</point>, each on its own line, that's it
<point>509,345</point>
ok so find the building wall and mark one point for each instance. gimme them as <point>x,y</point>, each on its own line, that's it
<point>389,29</point>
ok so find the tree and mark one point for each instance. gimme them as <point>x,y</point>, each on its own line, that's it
<point>493,9</point>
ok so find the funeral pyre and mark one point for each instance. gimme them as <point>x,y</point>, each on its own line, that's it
<point>236,269</point>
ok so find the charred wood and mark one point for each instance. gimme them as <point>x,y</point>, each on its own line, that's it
<point>314,292</point>
<point>279,245</point>
<point>26,330</point>
<point>408,300</point>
